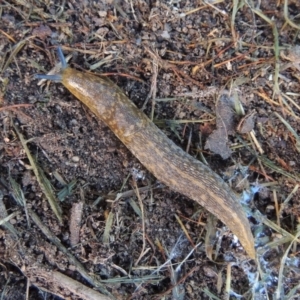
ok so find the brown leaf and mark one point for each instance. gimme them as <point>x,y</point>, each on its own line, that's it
<point>247,123</point>
<point>218,140</point>
<point>217,143</point>
<point>225,114</point>
<point>42,31</point>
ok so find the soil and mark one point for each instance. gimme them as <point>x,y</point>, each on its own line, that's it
<point>174,60</point>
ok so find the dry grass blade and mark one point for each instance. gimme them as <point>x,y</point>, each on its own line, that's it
<point>287,236</point>
<point>27,5</point>
<point>286,16</point>
<point>211,4</point>
<point>276,48</point>
<point>143,252</point>
<point>177,122</point>
<point>3,214</point>
<point>233,15</point>
<point>270,164</point>
<point>19,196</point>
<point>184,230</point>
<point>67,190</point>
<point>291,295</point>
<point>172,255</point>
<point>286,108</point>
<point>186,258</point>
<point>121,195</point>
<point>7,36</point>
<point>154,279</point>
<point>255,141</point>
<point>135,207</point>
<point>108,226</point>
<point>238,106</point>
<point>289,197</point>
<point>178,290</point>
<point>49,193</point>
<point>280,287</point>
<point>210,236</point>
<point>280,242</point>
<point>291,100</point>
<point>168,99</point>
<point>228,281</point>
<point>41,178</point>
<point>291,130</point>
<point>72,260</point>
<point>210,294</point>
<point>13,107</point>
<point>102,62</point>
<point>3,221</point>
<point>220,282</point>
<point>17,48</point>
<point>199,8</point>
<point>275,199</point>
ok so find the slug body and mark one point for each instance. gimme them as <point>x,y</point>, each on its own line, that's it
<point>166,161</point>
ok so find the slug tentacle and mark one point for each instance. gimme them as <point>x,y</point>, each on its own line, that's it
<point>62,58</point>
<point>56,77</point>
<point>166,161</point>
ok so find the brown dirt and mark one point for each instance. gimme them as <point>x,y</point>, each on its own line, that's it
<point>185,50</point>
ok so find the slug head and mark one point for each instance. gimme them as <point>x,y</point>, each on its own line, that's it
<point>55,77</point>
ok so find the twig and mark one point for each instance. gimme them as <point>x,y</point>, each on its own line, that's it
<point>276,49</point>
<point>13,107</point>
<point>184,230</point>
<point>75,222</point>
<point>275,198</point>
<point>72,260</point>
<point>257,144</point>
<point>61,281</point>
<point>143,222</point>
<point>108,224</point>
<point>41,178</point>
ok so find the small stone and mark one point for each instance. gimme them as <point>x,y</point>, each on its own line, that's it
<point>102,14</point>
<point>75,159</point>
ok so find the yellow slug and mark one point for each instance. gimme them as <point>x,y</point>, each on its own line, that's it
<point>166,161</point>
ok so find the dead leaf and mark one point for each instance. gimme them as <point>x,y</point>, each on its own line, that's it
<point>218,140</point>
<point>246,124</point>
<point>42,31</point>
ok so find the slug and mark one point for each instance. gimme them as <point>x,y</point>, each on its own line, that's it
<point>166,161</point>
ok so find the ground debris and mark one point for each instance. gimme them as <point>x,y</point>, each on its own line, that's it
<point>217,142</point>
